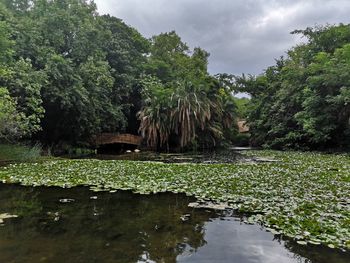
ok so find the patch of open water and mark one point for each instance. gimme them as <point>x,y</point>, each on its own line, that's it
<point>78,225</point>
<point>228,156</point>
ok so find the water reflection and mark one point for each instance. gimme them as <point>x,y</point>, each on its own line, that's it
<point>124,227</point>
<point>223,156</point>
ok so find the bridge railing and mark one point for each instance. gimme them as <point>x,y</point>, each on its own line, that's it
<point>110,138</point>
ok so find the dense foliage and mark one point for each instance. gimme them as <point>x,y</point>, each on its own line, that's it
<point>12,123</point>
<point>70,70</point>
<point>72,73</point>
<point>301,195</point>
<point>304,100</point>
<point>68,73</point>
<point>182,104</point>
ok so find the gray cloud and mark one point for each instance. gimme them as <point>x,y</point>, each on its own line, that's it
<point>242,36</point>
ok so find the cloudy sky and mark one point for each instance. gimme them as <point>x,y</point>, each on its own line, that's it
<point>242,36</point>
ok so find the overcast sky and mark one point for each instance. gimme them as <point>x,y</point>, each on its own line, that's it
<point>242,36</point>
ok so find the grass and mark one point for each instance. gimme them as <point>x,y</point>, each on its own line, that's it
<point>9,152</point>
<point>305,196</point>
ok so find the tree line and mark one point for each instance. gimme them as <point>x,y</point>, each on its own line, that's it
<point>303,101</point>
<point>68,73</point>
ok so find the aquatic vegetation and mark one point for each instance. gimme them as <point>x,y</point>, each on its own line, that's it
<point>305,196</point>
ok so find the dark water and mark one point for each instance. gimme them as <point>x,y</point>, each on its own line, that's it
<point>228,156</point>
<point>125,227</point>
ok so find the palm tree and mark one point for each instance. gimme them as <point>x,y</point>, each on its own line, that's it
<point>154,116</point>
<point>154,126</point>
<point>183,110</point>
<point>193,110</point>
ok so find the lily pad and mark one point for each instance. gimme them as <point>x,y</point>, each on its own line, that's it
<point>6,216</point>
<point>66,200</point>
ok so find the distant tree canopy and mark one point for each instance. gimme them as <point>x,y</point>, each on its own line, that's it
<point>69,73</point>
<point>304,100</point>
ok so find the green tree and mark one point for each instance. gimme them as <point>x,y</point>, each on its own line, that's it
<point>187,107</point>
<point>74,73</point>
<point>83,66</point>
<point>20,95</point>
<point>302,101</point>
<point>155,119</point>
<point>12,123</point>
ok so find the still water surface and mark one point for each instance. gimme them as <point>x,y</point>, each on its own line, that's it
<point>78,225</point>
<point>224,156</point>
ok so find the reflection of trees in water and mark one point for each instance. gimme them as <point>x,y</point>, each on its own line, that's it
<point>18,200</point>
<point>23,202</point>
<point>119,227</point>
<point>222,156</point>
<point>314,253</point>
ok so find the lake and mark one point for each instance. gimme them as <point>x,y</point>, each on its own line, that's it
<point>80,225</point>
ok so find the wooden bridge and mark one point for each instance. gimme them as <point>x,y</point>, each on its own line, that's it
<point>112,138</point>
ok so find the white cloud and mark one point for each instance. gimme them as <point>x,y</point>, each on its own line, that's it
<point>241,35</point>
